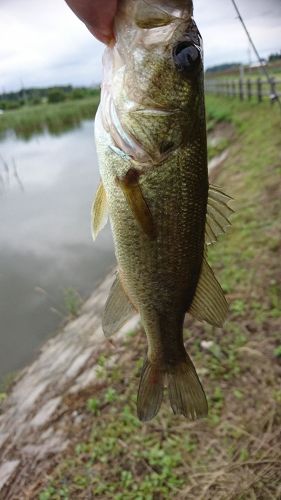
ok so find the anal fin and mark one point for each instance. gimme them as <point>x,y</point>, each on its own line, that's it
<point>209,303</point>
<point>99,212</point>
<point>218,213</point>
<point>118,309</point>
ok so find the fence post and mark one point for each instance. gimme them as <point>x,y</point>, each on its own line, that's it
<point>217,88</point>
<point>233,88</point>
<point>259,90</point>
<point>228,89</point>
<point>225,87</point>
<point>272,94</point>
<point>249,89</point>
<point>241,90</point>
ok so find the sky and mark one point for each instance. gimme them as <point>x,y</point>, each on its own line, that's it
<point>42,43</point>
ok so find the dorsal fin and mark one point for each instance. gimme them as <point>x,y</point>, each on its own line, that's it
<point>218,213</point>
<point>209,302</point>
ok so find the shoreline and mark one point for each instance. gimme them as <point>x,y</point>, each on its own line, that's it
<point>65,366</point>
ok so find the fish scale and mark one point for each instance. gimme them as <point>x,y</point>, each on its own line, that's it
<point>151,143</point>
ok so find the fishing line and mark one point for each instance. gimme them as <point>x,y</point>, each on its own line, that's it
<point>274,95</point>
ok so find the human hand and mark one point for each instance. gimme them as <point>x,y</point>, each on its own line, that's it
<point>98,15</point>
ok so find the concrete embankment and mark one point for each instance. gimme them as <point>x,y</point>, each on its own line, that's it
<point>33,422</point>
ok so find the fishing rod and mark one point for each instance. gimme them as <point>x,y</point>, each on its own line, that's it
<point>274,95</point>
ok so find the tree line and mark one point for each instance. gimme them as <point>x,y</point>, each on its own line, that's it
<point>36,95</point>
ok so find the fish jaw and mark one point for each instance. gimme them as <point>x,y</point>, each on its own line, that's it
<point>148,106</point>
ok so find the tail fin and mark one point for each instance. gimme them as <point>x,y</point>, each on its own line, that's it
<point>186,393</point>
<point>187,396</point>
<point>151,390</point>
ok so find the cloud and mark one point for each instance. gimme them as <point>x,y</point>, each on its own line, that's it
<point>223,35</point>
<point>43,43</point>
<point>45,46</point>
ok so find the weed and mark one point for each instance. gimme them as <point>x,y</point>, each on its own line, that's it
<point>3,396</point>
<point>110,395</point>
<point>277,351</point>
<point>72,302</point>
<point>56,118</point>
<point>93,405</point>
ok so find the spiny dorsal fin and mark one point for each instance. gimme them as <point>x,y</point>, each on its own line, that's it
<point>218,212</point>
<point>118,309</point>
<point>136,201</point>
<point>209,302</point>
<point>99,212</point>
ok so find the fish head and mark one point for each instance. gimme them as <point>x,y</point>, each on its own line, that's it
<point>155,78</point>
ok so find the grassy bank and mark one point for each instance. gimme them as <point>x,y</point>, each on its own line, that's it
<point>235,453</point>
<point>56,118</point>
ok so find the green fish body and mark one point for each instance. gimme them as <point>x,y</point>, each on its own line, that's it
<point>152,149</point>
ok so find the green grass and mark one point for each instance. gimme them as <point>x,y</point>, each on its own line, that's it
<point>234,454</point>
<point>56,118</point>
<point>72,302</point>
<point>252,73</point>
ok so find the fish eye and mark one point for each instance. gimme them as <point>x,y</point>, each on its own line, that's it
<point>187,57</point>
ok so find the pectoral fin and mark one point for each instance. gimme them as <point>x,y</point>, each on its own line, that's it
<point>118,309</point>
<point>218,213</point>
<point>137,203</point>
<point>99,212</point>
<point>209,303</point>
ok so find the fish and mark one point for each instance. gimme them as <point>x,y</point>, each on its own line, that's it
<point>150,132</point>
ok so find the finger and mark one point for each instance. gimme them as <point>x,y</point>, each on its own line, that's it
<point>98,15</point>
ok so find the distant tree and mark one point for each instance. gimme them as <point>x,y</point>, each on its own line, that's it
<point>9,105</point>
<point>93,91</point>
<point>275,57</point>
<point>35,100</point>
<point>56,95</point>
<point>77,94</point>
<point>222,67</point>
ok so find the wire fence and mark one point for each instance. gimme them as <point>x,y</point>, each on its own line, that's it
<point>245,89</point>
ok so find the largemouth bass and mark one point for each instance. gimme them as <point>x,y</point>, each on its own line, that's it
<point>151,140</point>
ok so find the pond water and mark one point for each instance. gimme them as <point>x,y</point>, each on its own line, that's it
<point>47,185</point>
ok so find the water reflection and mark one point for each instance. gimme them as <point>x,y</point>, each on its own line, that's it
<point>45,239</point>
<point>56,119</point>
